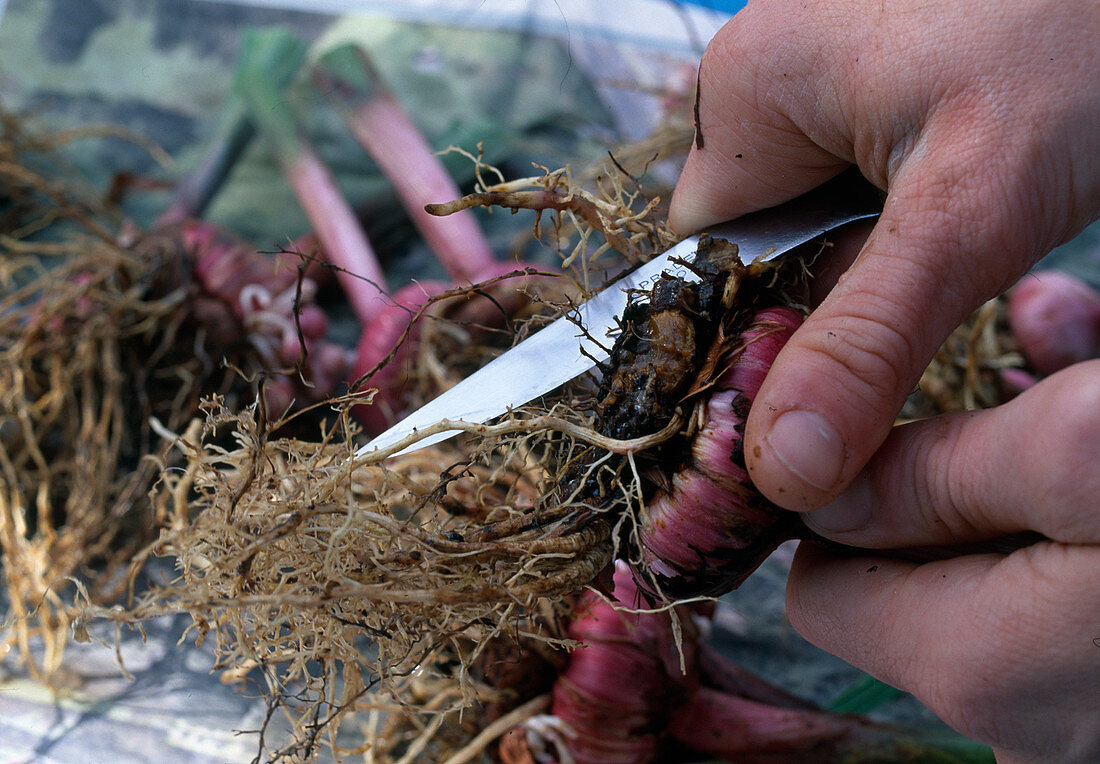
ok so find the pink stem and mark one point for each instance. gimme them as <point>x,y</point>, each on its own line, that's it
<point>332,218</point>
<point>339,232</point>
<point>726,726</point>
<point>720,724</point>
<point>377,342</point>
<point>400,150</point>
<point>617,692</point>
<point>625,692</point>
<point>720,673</point>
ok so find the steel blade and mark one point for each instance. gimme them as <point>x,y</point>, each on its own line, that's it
<point>561,351</point>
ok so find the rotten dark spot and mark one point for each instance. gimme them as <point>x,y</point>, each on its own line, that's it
<point>740,405</point>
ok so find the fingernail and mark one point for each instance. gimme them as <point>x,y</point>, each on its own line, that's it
<point>683,218</point>
<point>809,447</point>
<point>848,512</point>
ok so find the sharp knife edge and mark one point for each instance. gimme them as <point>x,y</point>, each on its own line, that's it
<point>553,355</point>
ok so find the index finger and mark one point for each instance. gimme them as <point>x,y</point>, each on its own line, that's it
<point>1028,465</point>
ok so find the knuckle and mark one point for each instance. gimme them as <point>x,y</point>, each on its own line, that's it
<point>867,357</point>
<point>944,483</point>
<point>970,231</point>
<point>1069,483</point>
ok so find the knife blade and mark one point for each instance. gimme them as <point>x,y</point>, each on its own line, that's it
<point>561,351</point>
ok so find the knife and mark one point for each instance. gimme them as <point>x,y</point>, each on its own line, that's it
<point>561,351</point>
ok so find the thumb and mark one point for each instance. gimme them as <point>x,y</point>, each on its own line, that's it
<point>943,245</point>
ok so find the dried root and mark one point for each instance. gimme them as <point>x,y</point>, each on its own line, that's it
<point>296,557</point>
<point>87,358</point>
<point>74,441</point>
<point>617,211</point>
<point>968,371</point>
<point>105,339</point>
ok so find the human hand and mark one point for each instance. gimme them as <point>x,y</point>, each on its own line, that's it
<point>1004,648</point>
<point>981,122</point>
<point>980,119</point>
